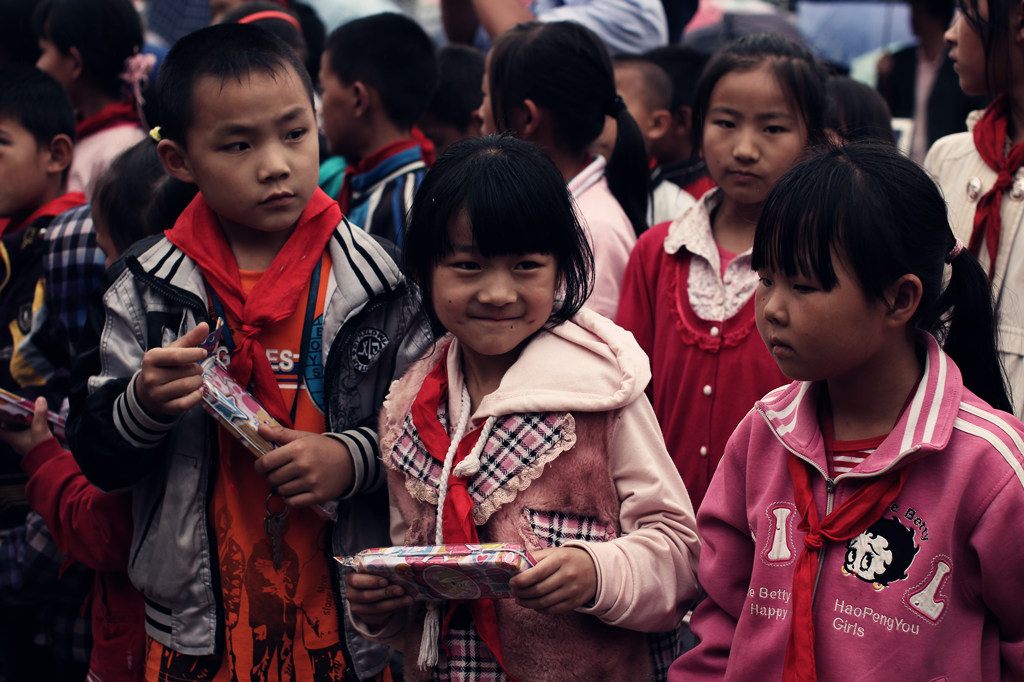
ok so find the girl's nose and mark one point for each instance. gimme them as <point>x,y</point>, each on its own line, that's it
<point>497,290</point>
<point>745,147</point>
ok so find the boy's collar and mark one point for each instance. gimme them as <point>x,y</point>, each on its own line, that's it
<point>51,208</point>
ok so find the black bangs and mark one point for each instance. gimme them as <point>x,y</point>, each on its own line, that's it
<point>797,232</point>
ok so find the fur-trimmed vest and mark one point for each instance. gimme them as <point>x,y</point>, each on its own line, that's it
<point>544,481</point>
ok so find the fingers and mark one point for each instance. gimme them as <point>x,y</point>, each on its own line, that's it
<point>281,435</point>
<point>40,427</point>
<point>562,580</point>
<point>192,338</point>
<point>371,595</point>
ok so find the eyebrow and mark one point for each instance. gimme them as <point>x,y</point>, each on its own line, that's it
<point>763,116</point>
<point>241,129</point>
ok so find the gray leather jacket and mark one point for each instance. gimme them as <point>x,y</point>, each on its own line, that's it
<point>372,329</point>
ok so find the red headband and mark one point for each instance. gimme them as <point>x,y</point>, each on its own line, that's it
<point>271,14</point>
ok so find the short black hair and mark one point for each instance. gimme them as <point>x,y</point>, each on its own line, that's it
<point>18,43</point>
<point>393,55</point>
<point>458,93</point>
<point>224,51</point>
<point>137,197</point>
<point>857,111</point>
<point>799,73</point>
<point>278,25</point>
<point>37,102</point>
<point>683,66</point>
<point>516,201</point>
<point>105,33</point>
<point>656,81</point>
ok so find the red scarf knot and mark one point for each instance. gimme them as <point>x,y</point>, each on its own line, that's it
<point>276,295</point>
<point>851,518</point>
<point>990,140</point>
<point>814,540</point>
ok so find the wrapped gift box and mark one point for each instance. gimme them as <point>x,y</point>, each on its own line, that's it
<point>446,571</point>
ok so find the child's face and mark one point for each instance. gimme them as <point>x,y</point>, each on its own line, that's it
<point>492,305</point>
<point>60,66</point>
<point>967,51</point>
<point>252,150</point>
<point>629,82</point>
<point>815,334</point>
<point>337,107</point>
<point>26,180</point>
<point>751,135</point>
<point>486,111</point>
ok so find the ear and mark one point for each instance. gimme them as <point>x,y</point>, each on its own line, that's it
<point>78,66</point>
<point>532,119</point>
<point>661,122</point>
<point>61,151</point>
<point>904,297</point>
<point>175,160</point>
<point>682,121</point>
<point>360,98</point>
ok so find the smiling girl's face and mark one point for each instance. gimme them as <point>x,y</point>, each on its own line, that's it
<point>492,304</point>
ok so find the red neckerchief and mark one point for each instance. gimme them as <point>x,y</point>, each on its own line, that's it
<point>107,117</point>
<point>197,232</point>
<point>457,516</point>
<point>989,140</point>
<point>368,164</point>
<point>53,207</point>
<point>428,152</point>
<point>848,520</point>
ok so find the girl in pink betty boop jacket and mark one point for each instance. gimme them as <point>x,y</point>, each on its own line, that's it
<point>864,522</point>
<point>537,409</point>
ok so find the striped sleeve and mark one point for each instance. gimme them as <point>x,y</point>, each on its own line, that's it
<point>362,444</point>
<point>135,423</point>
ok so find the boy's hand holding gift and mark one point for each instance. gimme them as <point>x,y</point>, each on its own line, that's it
<point>306,468</point>
<point>171,380</point>
<point>22,440</point>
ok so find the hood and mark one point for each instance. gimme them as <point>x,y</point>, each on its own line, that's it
<point>586,364</point>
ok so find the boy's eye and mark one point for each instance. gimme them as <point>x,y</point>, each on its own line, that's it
<point>236,146</point>
<point>775,130</point>
<point>804,288</point>
<point>723,123</point>
<point>296,134</point>
<point>765,281</point>
<point>465,265</point>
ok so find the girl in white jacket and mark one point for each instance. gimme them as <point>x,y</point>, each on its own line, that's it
<point>981,171</point>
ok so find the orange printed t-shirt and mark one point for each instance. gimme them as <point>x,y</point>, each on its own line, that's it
<point>279,624</point>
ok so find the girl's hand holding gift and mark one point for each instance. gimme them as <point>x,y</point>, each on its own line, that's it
<point>563,580</point>
<point>372,599</point>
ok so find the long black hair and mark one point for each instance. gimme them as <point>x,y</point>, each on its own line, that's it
<point>565,68</point>
<point>887,217</point>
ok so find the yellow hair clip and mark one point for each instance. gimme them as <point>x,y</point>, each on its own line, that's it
<point>154,133</point>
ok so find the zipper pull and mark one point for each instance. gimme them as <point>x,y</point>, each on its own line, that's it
<point>830,484</point>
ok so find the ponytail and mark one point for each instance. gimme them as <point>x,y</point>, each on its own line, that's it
<point>628,175</point>
<point>964,317</point>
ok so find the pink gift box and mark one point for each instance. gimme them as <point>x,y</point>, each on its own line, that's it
<point>446,571</point>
